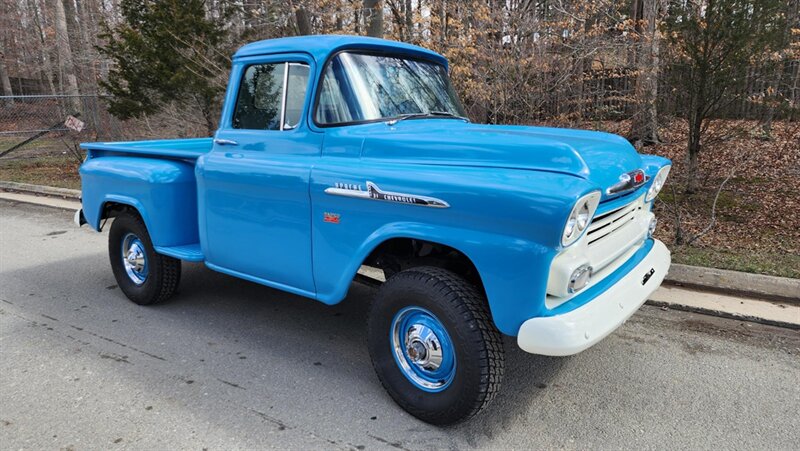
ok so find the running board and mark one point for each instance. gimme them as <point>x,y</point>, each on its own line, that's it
<point>187,252</point>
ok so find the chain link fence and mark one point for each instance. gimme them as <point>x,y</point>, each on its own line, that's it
<point>34,124</point>
<point>37,147</point>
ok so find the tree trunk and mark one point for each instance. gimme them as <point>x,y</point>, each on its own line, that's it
<point>4,80</point>
<point>46,68</point>
<point>208,111</point>
<point>87,44</point>
<point>644,127</point>
<point>772,96</point>
<point>637,17</point>
<point>409,19</point>
<point>442,23</point>
<point>374,17</point>
<point>73,27</point>
<point>303,23</point>
<point>774,83</point>
<point>692,154</point>
<point>66,65</point>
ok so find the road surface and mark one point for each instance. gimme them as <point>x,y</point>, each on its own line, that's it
<point>229,364</point>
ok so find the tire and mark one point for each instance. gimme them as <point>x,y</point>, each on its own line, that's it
<point>429,299</point>
<point>151,278</point>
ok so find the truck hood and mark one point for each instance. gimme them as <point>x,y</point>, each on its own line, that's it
<point>595,156</point>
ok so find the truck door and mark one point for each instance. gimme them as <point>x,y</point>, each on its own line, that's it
<point>255,210</point>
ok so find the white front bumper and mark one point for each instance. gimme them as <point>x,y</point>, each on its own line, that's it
<point>574,331</point>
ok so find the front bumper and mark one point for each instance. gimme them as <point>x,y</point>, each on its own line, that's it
<point>574,331</point>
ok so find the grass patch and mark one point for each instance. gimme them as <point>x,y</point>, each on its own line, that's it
<point>43,143</point>
<point>769,263</point>
<point>57,170</point>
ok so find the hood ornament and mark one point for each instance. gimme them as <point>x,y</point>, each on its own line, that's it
<point>628,182</point>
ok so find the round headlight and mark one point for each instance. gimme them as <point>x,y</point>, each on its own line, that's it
<point>584,215</point>
<point>580,217</point>
<point>570,229</point>
<point>658,183</point>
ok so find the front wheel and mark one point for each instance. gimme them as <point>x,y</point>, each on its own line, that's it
<point>434,346</point>
<point>145,276</point>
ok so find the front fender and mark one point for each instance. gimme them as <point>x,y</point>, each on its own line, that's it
<point>509,268</point>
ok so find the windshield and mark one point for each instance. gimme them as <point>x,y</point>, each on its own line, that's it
<point>363,88</point>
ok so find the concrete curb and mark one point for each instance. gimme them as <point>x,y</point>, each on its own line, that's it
<point>748,284</point>
<point>781,314</point>
<point>723,314</point>
<point>45,201</point>
<point>43,190</point>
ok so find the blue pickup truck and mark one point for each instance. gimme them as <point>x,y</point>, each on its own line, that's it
<point>340,156</point>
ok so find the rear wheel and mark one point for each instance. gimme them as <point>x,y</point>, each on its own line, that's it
<point>434,346</point>
<point>145,276</point>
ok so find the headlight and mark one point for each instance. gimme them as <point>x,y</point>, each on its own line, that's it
<point>580,217</point>
<point>658,183</point>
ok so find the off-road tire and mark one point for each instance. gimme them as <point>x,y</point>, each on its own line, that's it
<point>463,311</point>
<point>164,273</point>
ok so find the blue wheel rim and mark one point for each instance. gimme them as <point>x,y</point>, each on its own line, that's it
<point>422,349</point>
<point>134,258</point>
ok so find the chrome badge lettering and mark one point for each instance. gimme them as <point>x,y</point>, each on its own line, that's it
<point>373,192</point>
<point>349,186</point>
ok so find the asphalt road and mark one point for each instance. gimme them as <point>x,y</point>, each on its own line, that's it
<point>229,364</point>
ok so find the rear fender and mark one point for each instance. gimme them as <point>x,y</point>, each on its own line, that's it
<point>164,192</point>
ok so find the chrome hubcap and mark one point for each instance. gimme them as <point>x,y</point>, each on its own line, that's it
<point>422,349</point>
<point>423,346</point>
<point>134,258</point>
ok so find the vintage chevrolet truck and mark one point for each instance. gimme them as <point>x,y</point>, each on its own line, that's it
<point>336,153</point>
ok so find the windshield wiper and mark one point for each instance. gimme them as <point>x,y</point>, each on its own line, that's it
<point>403,117</point>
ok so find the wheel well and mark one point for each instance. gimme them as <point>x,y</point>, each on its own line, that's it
<point>398,254</point>
<point>114,209</point>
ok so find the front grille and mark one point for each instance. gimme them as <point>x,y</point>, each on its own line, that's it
<point>607,223</point>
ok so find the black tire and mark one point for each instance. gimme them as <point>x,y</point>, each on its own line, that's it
<point>463,311</point>
<point>163,273</point>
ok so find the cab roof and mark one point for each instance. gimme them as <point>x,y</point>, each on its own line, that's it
<point>322,46</point>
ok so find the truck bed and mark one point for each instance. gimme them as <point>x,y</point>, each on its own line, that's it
<point>190,148</point>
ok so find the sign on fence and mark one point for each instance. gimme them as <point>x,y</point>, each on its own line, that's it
<point>73,123</point>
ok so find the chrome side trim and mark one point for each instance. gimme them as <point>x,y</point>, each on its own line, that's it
<point>283,97</point>
<point>374,193</point>
<point>225,142</point>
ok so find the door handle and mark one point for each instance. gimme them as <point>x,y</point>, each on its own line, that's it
<point>225,142</point>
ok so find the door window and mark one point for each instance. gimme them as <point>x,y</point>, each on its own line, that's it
<point>271,96</point>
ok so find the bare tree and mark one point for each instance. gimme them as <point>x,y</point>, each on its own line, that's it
<point>644,126</point>
<point>713,43</point>
<point>45,63</point>
<point>773,95</point>
<point>4,75</point>
<point>66,64</point>
<point>303,23</point>
<point>373,10</point>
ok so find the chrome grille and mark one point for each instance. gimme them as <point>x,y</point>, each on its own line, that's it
<point>607,223</point>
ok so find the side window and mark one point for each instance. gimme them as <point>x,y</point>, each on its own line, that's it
<point>296,84</point>
<point>271,96</point>
<point>258,105</point>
